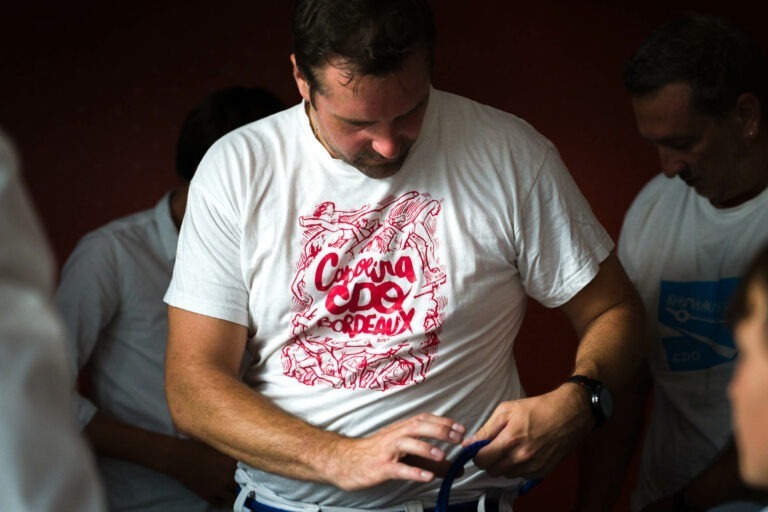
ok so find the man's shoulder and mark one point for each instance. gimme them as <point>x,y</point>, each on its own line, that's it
<point>656,186</point>
<point>474,122</point>
<point>113,248</point>
<point>278,125</point>
<point>275,135</point>
<point>122,230</point>
<point>483,112</point>
<point>653,203</point>
<point>657,192</point>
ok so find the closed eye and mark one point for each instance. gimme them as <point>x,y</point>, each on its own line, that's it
<point>354,123</point>
<point>679,144</point>
<point>359,124</point>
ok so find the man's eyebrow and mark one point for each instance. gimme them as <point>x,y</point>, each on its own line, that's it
<point>355,122</point>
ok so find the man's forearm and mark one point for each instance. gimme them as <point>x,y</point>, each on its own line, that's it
<point>208,401</point>
<point>223,412</point>
<point>243,424</point>
<point>609,319</point>
<point>613,345</point>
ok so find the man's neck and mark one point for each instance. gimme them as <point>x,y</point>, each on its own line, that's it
<point>315,130</point>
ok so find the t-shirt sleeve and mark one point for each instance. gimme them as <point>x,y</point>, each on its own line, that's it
<point>207,275</point>
<point>560,242</point>
<point>88,297</point>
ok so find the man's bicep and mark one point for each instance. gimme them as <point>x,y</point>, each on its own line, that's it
<point>608,316</point>
<point>202,363</point>
<point>610,287</point>
<point>197,342</point>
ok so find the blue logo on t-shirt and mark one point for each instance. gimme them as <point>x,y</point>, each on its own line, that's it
<point>695,311</point>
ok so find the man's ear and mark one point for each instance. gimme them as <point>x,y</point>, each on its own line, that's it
<point>301,80</point>
<point>749,112</point>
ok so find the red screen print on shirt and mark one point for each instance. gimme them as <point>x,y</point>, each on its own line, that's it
<point>366,308</point>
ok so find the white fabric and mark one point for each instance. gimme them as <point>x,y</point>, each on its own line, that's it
<point>46,465</point>
<point>739,506</point>
<point>263,495</point>
<point>685,257</point>
<point>440,258</point>
<point>111,300</point>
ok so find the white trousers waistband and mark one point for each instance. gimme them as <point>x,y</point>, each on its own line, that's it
<point>262,494</point>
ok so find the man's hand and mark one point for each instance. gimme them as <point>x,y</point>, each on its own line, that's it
<point>203,470</point>
<point>532,435</point>
<point>396,452</point>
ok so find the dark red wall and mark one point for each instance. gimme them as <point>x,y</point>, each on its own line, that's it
<point>94,95</point>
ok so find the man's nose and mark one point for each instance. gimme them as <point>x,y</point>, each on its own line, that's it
<point>387,142</point>
<point>671,163</point>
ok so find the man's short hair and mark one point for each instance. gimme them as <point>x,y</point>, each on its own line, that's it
<point>718,61</point>
<point>217,115</point>
<point>372,37</point>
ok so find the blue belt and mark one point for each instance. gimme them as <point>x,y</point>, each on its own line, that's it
<point>442,504</point>
<point>469,506</point>
<point>462,458</point>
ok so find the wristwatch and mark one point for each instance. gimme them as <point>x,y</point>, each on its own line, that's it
<point>600,400</point>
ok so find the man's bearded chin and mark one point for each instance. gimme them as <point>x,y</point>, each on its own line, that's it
<point>373,166</point>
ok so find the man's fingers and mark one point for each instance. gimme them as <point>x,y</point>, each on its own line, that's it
<point>513,456</point>
<point>423,426</point>
<point>404,450</point>
<point>489,430</point>
<point>412,447</point>
<point>438,467</point>
<point>402,471</point>
<point>437,427</point>
<point>498,453</point>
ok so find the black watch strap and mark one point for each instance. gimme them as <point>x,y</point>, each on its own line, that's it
<point>600,401</point>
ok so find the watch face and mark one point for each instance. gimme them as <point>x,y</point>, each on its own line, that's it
<point>600,398</point>
<point>606,402</point>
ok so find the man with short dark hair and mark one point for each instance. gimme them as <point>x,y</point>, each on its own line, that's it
<point>376,266</point>
<point>111,300</point>
<point>699,89</point>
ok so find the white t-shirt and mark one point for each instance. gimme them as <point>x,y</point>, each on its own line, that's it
<point>739,506</point>
<point>368,301</point>
<point>111,300</point>
<point>685,256</point>
<point>46,465</point>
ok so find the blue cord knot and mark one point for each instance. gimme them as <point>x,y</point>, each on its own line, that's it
<point>462,458</point>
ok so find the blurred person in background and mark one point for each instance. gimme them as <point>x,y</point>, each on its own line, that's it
<point>46,465</point>
<point>699,91</point>
<point>111,300</point>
